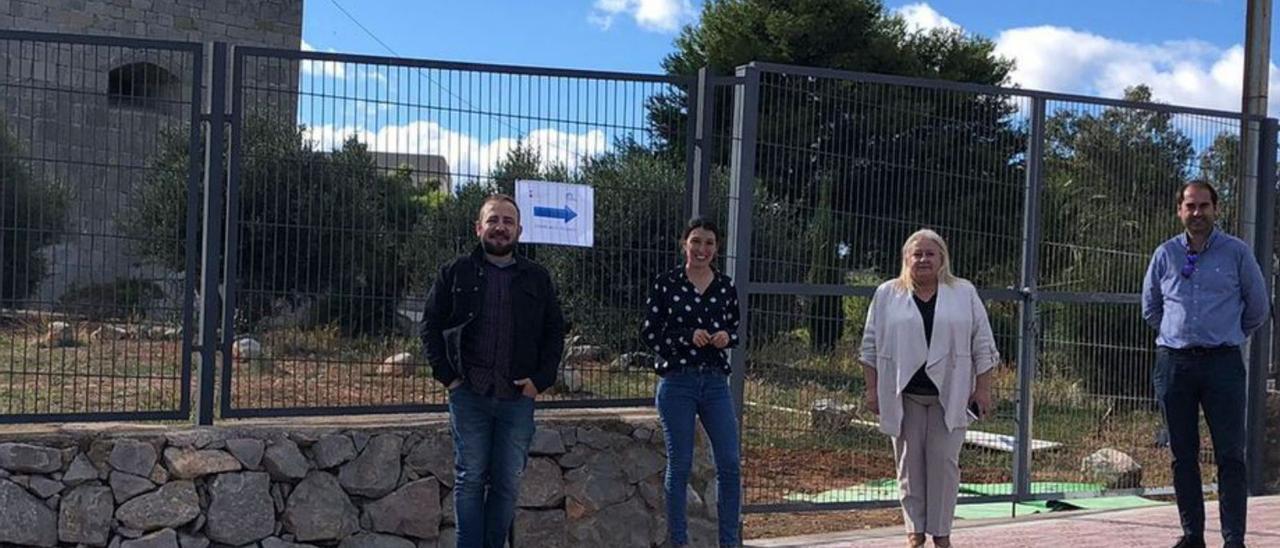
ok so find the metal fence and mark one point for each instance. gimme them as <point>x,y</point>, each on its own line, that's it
<point>92,328</point>
<point>333,248</point>
<point>1051,205</point>
<point>285,239</point>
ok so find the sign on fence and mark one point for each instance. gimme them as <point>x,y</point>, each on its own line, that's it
<point>556,213</point>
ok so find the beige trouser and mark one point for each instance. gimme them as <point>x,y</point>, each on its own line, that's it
<point>928,457</point>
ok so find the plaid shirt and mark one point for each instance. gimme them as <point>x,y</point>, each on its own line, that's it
<point>486,349</point>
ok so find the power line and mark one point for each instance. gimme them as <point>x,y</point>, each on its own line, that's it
<point>421,74</point>
<point>364,28</point>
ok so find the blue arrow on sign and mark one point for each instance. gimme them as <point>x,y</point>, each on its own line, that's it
<point>555,213</point>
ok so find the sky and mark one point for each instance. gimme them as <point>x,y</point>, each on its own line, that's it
<point>1188,51</point>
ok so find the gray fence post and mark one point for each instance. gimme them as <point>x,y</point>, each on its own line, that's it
<point>746,101</point>
<point>1028,334</point>
<point>702,107</point>
<point>195,174</point>
<point>212,245</point>
<point>746,120</point>
<point>4,234</point>
<point>1260,344</point>
<point>231,232</point>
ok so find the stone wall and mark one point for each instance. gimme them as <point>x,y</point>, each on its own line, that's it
<point>276,23</point>
<point>590,482</point>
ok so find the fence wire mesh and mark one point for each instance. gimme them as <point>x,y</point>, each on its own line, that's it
<point>348,209</point>
<point>1110,178</point>
<point>846,166</point>
<point>845,171</point>
<point>352,179</point>
<point>94,304</point>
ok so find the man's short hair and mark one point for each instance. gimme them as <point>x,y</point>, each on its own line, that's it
<point>1202,183</point>
<point>499,197</point>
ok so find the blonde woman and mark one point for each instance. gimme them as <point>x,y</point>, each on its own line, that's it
<point>927,354</point>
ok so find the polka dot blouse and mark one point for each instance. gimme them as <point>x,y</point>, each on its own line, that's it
<point>675,310</point>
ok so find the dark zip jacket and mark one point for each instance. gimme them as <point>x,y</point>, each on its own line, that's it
<point>455,300</point>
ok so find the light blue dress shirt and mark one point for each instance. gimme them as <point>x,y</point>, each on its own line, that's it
<point>1219,304</point>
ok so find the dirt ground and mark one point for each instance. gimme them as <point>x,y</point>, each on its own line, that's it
<point>808,523</point>
<point>771,473</point>
<point>775,472</point>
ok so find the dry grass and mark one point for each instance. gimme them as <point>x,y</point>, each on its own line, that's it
<point>300,368</point>
<point>777,429</point>
<point>102,376</point>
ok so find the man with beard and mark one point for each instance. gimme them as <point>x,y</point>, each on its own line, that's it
<point>1204,293</point>
<point>493,333</point>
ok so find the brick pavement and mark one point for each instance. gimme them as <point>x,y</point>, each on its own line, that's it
<point>1154,527</point>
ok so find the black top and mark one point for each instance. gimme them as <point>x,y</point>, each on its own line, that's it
<point>920,383</point>
<point>486,349</point>
<point>675,310</point>
<point>455,301</point>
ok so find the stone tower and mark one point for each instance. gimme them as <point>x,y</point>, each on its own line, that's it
<point>91,117</point>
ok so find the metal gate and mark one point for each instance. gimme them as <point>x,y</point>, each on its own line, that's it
<point>97,308</point>
<point>332,243</point>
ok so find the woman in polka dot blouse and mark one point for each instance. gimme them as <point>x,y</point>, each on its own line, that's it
<point>691,319</point>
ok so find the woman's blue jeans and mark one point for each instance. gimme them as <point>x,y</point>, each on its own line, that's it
<point>682,396</point>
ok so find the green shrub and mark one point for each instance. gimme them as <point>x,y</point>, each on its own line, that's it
<point>855,308</point>
<point>327,228</point>
<point>1100,227</point>
<point>120,299</point>
<point>32,215</point>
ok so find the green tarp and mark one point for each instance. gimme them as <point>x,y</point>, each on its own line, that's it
<point>1106,503</point>
<point>993,510</point>
<point>1036,487</point>
<point>887,489</point>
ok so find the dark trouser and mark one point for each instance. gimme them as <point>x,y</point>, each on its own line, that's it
<point>1213,379</point>
<point>491,440</point>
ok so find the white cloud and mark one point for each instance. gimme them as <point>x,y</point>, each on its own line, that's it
<point>1191,73</point>
<point>376,73</point>
<point>327,68</point>
<point>468,157</point>
<point>922,17</point>
<point>652,15</point>
<point>1053,58</point>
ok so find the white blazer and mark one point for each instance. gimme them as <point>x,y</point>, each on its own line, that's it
<point>962,347</point>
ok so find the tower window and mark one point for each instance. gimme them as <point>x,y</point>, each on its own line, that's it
<point>142,85</point>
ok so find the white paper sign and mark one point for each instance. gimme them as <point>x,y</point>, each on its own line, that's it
<point>556,213</point>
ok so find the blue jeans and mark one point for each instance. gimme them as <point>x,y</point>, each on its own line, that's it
<point>490,446</point>
<point>682,395</point>
<point>1214,380</point>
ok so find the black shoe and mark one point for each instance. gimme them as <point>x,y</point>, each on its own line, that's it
<point>1188,541</point>
<point>1233,545</point>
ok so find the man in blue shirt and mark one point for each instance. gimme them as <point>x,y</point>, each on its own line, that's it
<point>1204,294</point>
